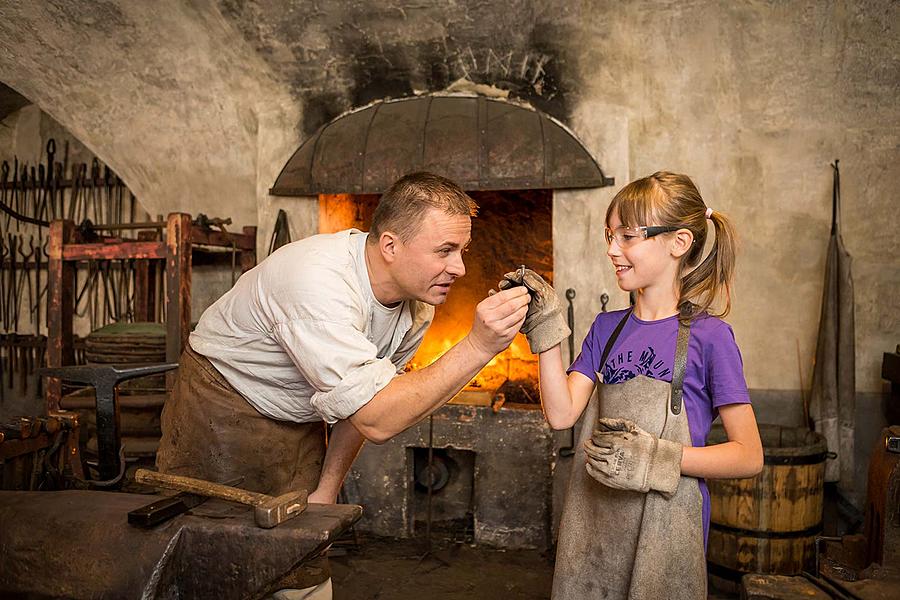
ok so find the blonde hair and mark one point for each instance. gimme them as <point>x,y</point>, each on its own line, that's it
<point>672,199</point>
<point>402,207</point>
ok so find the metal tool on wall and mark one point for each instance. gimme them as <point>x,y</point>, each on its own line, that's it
<point>281,234</point>
<point>569,450</point>
<point>30,197</point>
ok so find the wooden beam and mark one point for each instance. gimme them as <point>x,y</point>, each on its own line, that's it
<point>116,251</point>
<point>178,288</point>
<point>61,307</point>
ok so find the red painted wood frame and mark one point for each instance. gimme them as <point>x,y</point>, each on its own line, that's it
<point>66,250</point>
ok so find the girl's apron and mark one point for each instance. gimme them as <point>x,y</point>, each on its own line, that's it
<point>618,544</point>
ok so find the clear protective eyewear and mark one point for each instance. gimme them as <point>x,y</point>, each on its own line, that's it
<point>629,236</point>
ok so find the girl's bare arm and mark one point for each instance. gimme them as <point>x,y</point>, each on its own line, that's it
<point>562,398</point>
<point>740,456</point>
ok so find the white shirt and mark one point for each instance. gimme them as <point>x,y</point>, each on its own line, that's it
<point>301,335</point>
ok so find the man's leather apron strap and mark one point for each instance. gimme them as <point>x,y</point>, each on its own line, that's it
<point>684,336</point>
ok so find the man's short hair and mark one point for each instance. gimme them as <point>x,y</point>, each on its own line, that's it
<point>402,207</point>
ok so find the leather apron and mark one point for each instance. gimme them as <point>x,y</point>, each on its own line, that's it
<point>618,544</point>
<point>209,431</point>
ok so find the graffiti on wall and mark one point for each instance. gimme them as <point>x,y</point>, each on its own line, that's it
<point>521,68</point>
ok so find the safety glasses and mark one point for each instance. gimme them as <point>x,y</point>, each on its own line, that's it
<point>629,236</point>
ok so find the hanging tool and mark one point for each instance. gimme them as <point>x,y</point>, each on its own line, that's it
<point>4,178</point>
<point>36,302</point>
<point>569,450</point>
<point>24,277</point>
<point>3,283</point>
<point>11,303</point>
<point>281,234</point>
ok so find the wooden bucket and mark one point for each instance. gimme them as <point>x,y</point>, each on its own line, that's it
<point>768,523</point>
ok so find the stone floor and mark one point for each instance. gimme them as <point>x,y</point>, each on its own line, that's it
<point>388,569</point>
<point>385,569</point>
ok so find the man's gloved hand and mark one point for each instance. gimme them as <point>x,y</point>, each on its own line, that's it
<point>621,455</point>
<point>544,325</point>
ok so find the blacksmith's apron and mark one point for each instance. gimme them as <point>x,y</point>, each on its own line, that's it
<point>617,544</point>
<point>209,431</point>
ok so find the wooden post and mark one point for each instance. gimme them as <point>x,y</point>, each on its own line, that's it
<point>178,288</point>
<point>145,284</point>
<point>248,257</point>
<point>61,307</point>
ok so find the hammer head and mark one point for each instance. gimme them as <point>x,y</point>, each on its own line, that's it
<point>279,509</point>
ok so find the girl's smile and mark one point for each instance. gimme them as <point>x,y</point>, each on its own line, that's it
<point>641,262</point>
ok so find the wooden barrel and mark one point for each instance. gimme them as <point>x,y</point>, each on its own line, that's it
<point>768,523</point>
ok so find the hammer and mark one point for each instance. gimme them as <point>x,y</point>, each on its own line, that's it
<point>268,510</point>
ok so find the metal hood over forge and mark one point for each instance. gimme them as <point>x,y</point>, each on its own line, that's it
<point>481,143</point>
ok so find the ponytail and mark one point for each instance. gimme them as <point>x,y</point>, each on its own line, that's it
<point>711,280</point>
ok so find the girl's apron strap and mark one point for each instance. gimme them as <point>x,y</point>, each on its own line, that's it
<point>612,339</point>
<point>681,347</point>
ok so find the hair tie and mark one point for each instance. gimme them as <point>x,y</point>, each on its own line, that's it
<point>709,213</point>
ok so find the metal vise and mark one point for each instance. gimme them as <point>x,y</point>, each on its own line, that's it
<point>105,379</point>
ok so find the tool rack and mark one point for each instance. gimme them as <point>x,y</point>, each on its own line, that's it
<point>68,246</point>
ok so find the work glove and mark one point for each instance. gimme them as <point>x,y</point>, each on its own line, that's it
<point>621,455</point>
<point>544,324</point>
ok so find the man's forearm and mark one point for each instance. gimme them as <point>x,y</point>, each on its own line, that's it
<point>343,446</point>
<point>408,399</point>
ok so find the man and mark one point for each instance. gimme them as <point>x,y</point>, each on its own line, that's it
<point>320,331</point>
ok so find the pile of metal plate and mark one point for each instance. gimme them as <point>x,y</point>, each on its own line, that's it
<point>140,400</point>
<point>129,343</point>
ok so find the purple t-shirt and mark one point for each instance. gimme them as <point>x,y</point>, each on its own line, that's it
<point>714,375</point>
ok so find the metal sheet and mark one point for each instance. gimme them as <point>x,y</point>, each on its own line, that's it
<point>482,143</point>
<point>452,133</point>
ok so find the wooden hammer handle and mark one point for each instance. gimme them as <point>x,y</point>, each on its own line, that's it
<point>198,486</point>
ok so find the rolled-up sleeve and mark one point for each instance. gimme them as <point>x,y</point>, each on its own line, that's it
<point>338,361</point>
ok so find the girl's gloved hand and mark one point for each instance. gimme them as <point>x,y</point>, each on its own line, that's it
<point>545,326</point>
<point>621,455</point>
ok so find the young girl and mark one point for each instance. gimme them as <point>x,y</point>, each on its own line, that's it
<point>637,509</point>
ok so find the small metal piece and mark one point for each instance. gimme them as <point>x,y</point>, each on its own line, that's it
<point>162,510</point>
<point>604,300</point>
<point>892,444</point>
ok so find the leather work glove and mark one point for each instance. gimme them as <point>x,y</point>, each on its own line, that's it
<point>544,324</point>
<point>621,455</point>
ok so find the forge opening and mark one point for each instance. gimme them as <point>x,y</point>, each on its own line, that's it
<point>452,479</point>
<point>512,228</point>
